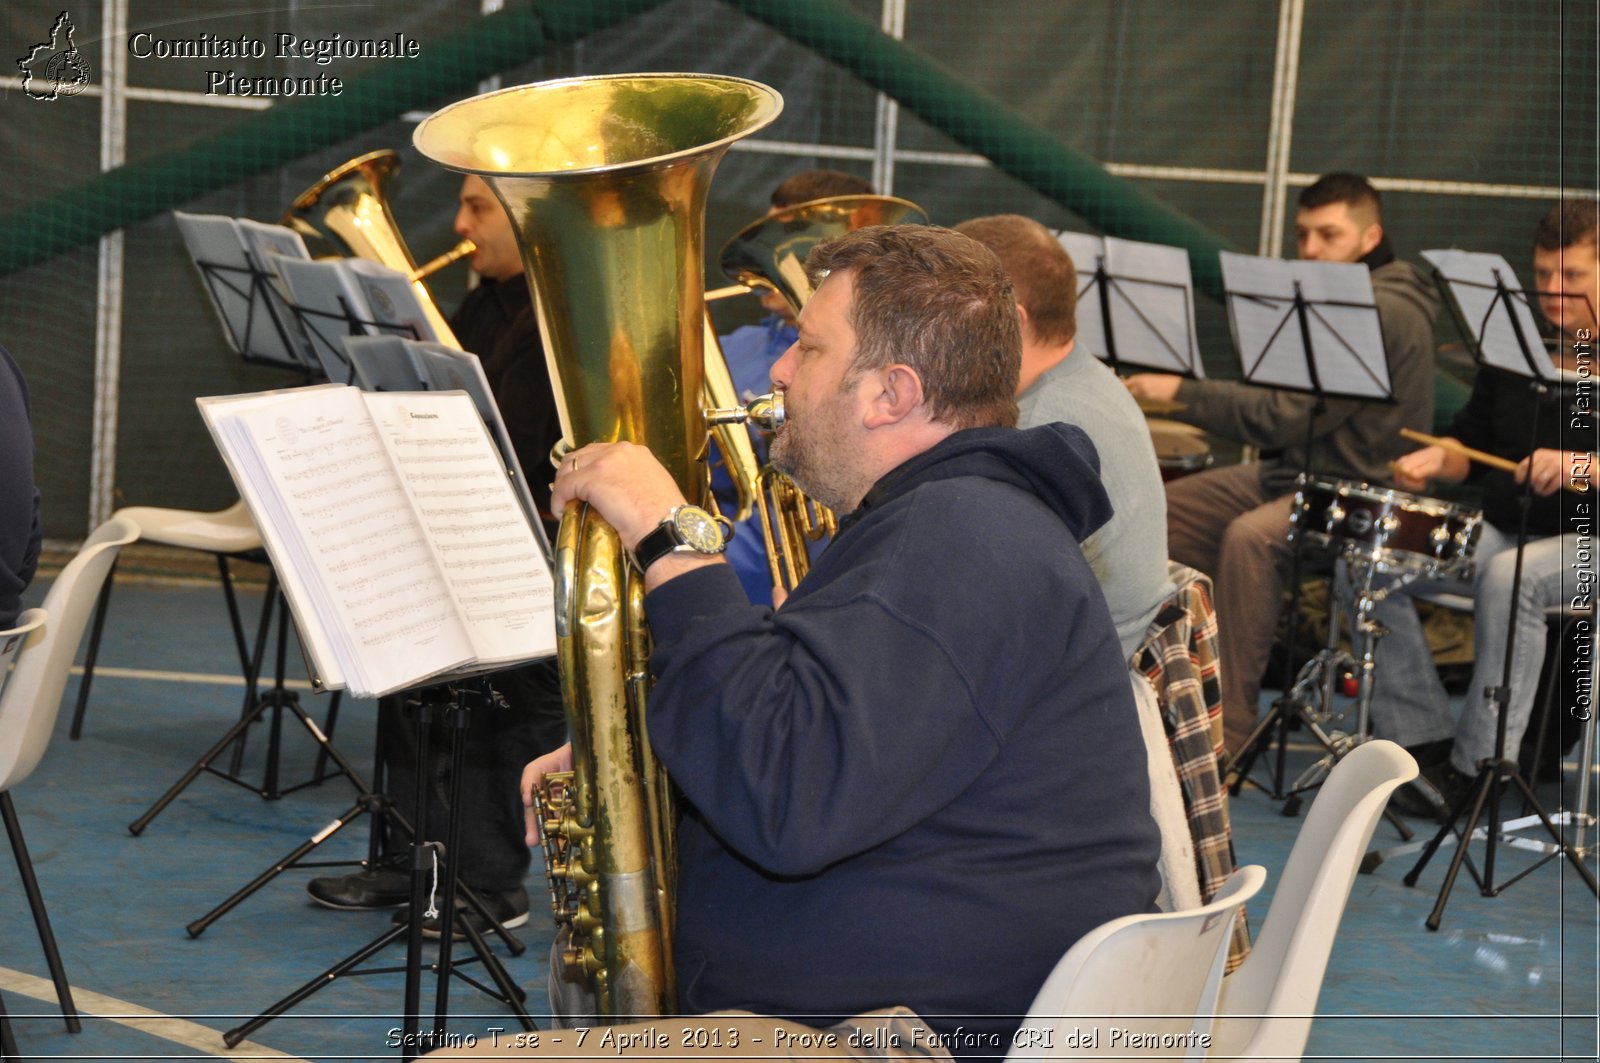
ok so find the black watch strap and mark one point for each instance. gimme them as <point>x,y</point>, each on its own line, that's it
<point>655,545</point>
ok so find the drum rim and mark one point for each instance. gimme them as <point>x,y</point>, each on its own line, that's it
<point>1410,501</point>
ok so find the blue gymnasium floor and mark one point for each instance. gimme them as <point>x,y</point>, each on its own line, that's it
<point>1511,977</point>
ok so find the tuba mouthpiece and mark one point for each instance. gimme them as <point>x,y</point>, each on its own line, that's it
<point>763,411</point>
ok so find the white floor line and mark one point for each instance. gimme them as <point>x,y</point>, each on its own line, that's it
<point>178,1031</point>
<point>183,677</point>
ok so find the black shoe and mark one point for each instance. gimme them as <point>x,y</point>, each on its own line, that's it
<point>1433,793</point>
<point>1418,799</point>
<point>1431,754</point>
<point>385,885</point>
<point>509,908</point>
<point>1452,785</point>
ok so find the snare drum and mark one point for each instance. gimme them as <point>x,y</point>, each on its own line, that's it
<point>1392,530</point>
<point>1181,449</point>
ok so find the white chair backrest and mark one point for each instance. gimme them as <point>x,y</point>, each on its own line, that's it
<point>31,697</point>
<point>1266,1006</point>
<point>1156,976</point>
<point>12,639</point>
<point>1180,881</point>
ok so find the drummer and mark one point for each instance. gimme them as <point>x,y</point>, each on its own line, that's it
<point>1232,523</point>
<point>1500,417</point>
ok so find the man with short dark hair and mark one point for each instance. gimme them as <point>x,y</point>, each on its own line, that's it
<point>920,779</point>
<point>1232,523</point>
<point>20,530</point>
<point>1501,417</point>
<point>1060,383</point>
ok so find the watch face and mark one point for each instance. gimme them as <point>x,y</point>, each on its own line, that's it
<point>698,530</point>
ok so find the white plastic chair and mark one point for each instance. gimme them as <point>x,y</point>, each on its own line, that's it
<point>32,697</point>
<point>1157,975</point>
<point>1266,1006</point>
<point>227,534</point>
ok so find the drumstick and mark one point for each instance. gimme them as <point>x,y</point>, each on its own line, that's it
<point>1160,406</point>
<point>1494,461</point>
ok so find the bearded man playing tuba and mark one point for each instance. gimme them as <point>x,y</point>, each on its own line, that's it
<point>909,789</point>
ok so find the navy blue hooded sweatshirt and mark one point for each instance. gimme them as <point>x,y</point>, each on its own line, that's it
<point>922,779</point>
<point>20,530</point>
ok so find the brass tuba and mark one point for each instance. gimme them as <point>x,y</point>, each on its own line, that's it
<point>605,182</point>
<point>771,253</point>
<point>346,215</point>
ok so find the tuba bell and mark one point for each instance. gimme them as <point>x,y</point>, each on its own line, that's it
<point>346,215</point>
<point>605,182</point>
<point>771,251</point>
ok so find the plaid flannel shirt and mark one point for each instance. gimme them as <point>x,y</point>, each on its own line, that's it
<point>1179,657</point>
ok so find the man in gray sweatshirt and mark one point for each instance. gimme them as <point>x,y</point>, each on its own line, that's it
<point>1233,522</point>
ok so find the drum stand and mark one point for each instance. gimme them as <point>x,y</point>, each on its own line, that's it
<point>1311,695</point>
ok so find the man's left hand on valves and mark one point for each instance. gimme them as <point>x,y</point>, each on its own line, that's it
<point>628,487</point>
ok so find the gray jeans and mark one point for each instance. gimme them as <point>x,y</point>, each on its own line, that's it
<point>1409,703</point>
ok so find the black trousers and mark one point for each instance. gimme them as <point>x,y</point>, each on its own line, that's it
<point>499,742</point>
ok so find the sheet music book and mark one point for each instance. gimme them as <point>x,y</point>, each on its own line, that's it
<point>1345,357</point>
<point>403,551</point>
<point>389,363</point>
<point>1148,296</point>
<point>234,259</point>
<point>1474,280</point>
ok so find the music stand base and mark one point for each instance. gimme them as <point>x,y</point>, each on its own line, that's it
<point>1486,788</point>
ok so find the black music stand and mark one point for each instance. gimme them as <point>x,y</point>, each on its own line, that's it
<point>328,329</point>
<point>279,698</point>
<point>256,320</point>
<point>1492,311</point>
<point>233,258</point>
<point>1135,303</point>
<point>1311,327</point>
<point>433,878</point>
<point>336,298</point>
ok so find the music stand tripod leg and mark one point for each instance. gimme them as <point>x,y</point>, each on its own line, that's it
<point>250,712</point>
<point>484,698</point>
<point>8,1043</point>
<point>367,800</point>
<point>422,868</point>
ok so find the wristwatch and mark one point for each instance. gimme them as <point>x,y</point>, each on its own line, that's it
<point>687,530</point>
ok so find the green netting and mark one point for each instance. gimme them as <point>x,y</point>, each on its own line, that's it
<point>1149,119</point>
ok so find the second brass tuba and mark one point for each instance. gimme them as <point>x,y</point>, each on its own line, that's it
<point>605,182</point>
